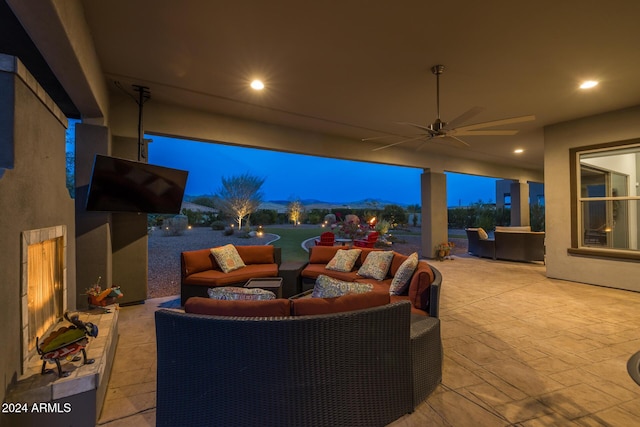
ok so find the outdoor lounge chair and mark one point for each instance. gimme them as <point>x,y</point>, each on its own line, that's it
<point>326,239</point>
<point>367,242</point>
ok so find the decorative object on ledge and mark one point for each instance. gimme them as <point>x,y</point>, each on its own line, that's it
<point>443,251</point>
<point>102,298</point>
<point>66,342</point>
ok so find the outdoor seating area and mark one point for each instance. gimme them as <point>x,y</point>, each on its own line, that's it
<point>508,243</point>
<point>506,361</point>
<point>277,365</point>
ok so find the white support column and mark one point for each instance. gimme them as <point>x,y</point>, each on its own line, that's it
<point>520,203</point>
<point>434,211</point>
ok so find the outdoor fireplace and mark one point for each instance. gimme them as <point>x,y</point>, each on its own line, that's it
<point>43,290</point>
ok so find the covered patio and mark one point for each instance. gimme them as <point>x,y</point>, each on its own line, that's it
<point>520,348</point>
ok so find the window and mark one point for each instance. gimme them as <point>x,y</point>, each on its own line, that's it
<point>606,208</point>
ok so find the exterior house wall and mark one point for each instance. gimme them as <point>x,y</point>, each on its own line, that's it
<point>619,125</point>
<point>33,195</point>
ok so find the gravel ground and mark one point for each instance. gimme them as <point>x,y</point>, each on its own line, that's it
<point>164,253</point>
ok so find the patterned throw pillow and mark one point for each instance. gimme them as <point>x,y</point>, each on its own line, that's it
<point>376,265</point>
<point>235,293</point>
<point>344,260</point>
<point>328,287</point>
<point>482,234</point>
<point>227,258</point>
<point>402,277</point>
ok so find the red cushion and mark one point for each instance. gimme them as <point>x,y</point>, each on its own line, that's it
<point>196,261</point>
<point>419,286</point>
<point>322,254</point>
<point>219,278</point>
<point>243,308</point>
<point>396,262</point>
<point>312,271</point>
<point>262,254</point>
<point>414,310</point>
<point>349,302</point>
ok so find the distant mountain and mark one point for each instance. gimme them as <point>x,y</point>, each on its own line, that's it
<point>319,204</point>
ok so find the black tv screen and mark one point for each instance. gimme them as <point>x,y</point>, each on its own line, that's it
<point>119,185</point>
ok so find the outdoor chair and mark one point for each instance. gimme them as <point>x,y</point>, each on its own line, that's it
<point>326,239</point>
<point>367,242</point>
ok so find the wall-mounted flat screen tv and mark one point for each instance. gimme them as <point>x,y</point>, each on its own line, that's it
<point>119,185</point>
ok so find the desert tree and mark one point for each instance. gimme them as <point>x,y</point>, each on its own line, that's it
<point>239,196</point>
<point>295,210</point>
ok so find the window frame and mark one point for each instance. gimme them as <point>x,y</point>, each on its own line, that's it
<point>576,199</point>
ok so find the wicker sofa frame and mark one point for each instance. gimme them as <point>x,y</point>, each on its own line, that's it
<point>525,246</point>
<point>358,368</point>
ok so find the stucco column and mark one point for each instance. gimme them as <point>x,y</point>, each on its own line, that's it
<point>93,229</point>
<point>434,211</point>
<point>520,203</point>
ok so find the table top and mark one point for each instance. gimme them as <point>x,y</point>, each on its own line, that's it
<point>264,282</point>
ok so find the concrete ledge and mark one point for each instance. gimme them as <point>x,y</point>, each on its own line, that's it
<point>78,398</point>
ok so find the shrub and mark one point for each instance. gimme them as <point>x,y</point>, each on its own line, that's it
<point>218,225</point>
<point>175,226</point>
<point>394,214</point>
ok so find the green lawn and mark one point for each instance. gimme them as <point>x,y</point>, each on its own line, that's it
<point>291,239</point>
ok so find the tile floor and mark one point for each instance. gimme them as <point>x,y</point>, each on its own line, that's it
<point>520,350</point>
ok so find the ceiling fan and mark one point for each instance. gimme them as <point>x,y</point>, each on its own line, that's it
<point>440,129</point>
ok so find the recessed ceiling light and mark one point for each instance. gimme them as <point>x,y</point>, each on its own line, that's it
<point>518,150</point>
<point>588,84</point>
<point>257,85</point>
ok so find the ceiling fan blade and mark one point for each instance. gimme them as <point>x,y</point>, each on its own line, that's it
<point>376,137</point>
<point>424,128</point>
<point>463,132</point>
<point>458,140</point>
<point>501,122</point>
<point>398,143</point>
<point>463,117</point>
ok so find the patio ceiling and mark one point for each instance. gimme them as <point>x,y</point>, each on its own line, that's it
<point>354,69</point>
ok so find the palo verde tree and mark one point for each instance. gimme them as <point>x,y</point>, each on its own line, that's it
<point>239,196</point>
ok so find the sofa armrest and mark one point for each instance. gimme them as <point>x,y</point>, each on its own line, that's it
<point>434,293</point>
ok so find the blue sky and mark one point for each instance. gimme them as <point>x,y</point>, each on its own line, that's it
<point>294,176</point>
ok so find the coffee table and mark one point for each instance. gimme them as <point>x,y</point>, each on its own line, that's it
<point>272,284</point>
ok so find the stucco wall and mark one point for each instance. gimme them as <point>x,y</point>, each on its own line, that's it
<point>32,195</point>
<point>559,139</point>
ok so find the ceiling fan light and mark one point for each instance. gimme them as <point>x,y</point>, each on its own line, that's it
<point>588,84</point>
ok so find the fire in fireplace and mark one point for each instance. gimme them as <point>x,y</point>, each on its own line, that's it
<point>44,284</point>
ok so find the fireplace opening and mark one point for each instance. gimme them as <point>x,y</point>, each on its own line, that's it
<point>43,285</point>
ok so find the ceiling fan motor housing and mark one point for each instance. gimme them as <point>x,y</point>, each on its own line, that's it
<point>437,125</point>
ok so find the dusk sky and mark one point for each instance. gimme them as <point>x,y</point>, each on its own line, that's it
<point>294,176</point>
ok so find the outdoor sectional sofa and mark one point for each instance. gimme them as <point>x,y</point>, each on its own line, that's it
<point>509,243</point>
<point>276,363</point>
<point>200,271</point>
<point>424,287</point>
